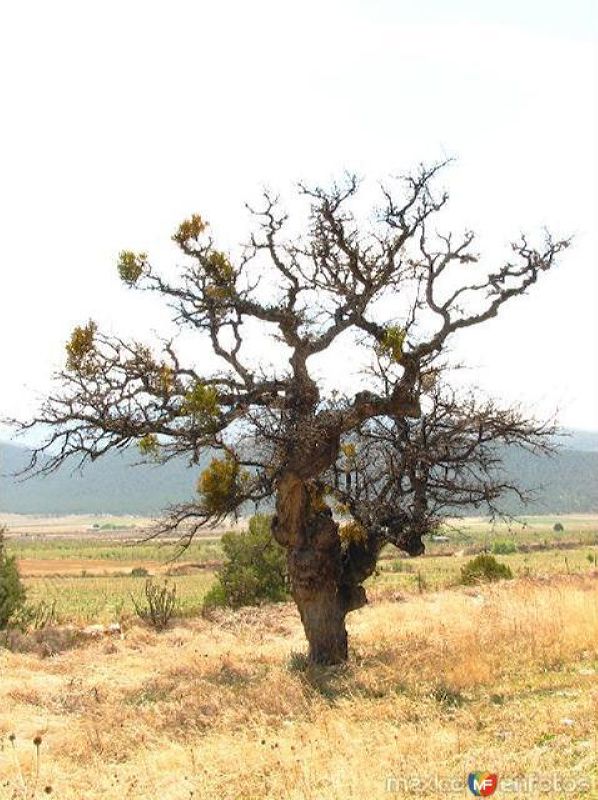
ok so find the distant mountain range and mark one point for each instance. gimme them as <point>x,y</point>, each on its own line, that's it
<point>565,483</point>
<point>114,484</point>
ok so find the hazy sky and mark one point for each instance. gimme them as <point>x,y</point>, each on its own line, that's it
<point>121,118</point>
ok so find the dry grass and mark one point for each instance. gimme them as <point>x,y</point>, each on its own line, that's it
<point>504,679</point>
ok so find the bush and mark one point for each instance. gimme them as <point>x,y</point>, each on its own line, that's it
<point>558,527</point>
<point>12,591</point>
<point>504,547</point>
<point>484,569</point>
<point>254,570</point>
<point>139,572</point>
<point>160,604</point>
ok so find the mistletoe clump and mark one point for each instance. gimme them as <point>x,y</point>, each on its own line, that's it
<point>189,230</point>
<point>80,348</point>
<point>201,403</point>
<point>393,340</point>
<point>220,486</point>
<point>130,266</point>
<point>149,445</point>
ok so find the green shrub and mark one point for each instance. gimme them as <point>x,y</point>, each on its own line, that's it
<point>12,591</point>
<point>254,570</point>
<point>215,597</point>
<point>504,547</point>
<point>139,572</point>
<point>558,527</point>
<point>484,569</point>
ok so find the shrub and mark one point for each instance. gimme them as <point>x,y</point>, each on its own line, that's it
<point>160,604</point>
<point>484,569</point>
<point>215,597</point>
<point>504,547</point>
<point>12,591</point>
<point>254,570</point>
<point>139,572</point>
<point>558,527</point>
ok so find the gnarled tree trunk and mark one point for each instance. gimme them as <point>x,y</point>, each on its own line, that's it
<point>323,617</point>
<point>314,563</point>
<point>322,587</point>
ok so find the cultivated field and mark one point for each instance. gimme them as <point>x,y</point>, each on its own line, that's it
<point>443,679</point>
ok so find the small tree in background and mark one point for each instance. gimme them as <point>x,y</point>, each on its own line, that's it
<point>12,591</point>
<point>254,570</point>
<point>392,283</point>
<point>484,569</point>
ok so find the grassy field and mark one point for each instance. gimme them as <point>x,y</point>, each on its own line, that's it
<point>107,598</point>
<point>99,599</point>
<point>88,576</point>
<point>443,680</point>
<point>503,679</point>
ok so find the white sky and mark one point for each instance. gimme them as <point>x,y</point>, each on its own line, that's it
<point>119,119</point>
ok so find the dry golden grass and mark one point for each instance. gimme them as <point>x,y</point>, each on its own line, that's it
<point>502,679</point>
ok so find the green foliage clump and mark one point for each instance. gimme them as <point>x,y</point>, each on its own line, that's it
<point>162,379</point>
<point>392,342</point>
<point>80,348</point>
<point>219,269</point>
<point>149,445</point>
<point>130,266</point>
<point>504,547</point>
<point>216,265</point>
<point>484,569</point>
<point>201,403</point>
<point>558,527</point>
<point>12,591</point>
<point>189,229</point>
<point>221,484</point>
<point>139,572</point>
<point>254,570</point>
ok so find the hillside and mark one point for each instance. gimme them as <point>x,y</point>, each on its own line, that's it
<point>112,485</point>
<point>565,483</point>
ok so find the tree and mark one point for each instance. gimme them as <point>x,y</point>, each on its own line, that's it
<point>12,591</point>
<point>401,292</point>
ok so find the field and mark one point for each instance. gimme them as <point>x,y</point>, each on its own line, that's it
<point>86,570</point>
<point>443,679</point>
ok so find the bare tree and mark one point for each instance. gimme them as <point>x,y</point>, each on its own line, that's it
<point>276,433</point>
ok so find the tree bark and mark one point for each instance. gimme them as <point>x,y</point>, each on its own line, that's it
<point>323,618</point>
<point>304,525</point>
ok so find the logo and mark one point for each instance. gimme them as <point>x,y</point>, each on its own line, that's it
<point>482,784</point>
